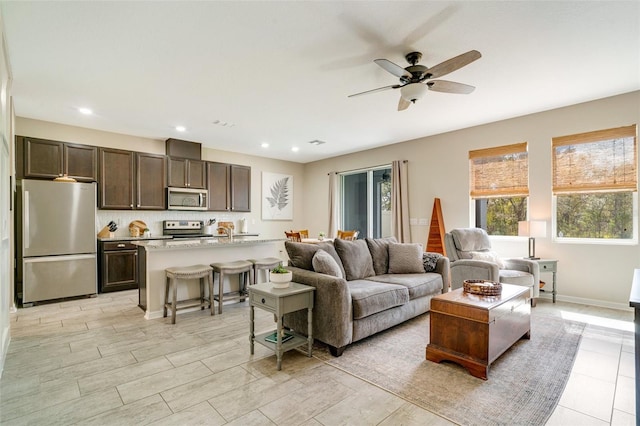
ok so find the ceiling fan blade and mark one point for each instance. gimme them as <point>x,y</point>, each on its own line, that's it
<point>403,104</point>
<point>450,87</point>
<point>379,89</point>
<point>453,64</point>
<point>394,69</point>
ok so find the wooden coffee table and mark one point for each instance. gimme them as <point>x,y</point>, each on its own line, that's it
<point>474,331</point>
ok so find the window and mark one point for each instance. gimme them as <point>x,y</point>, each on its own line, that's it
<point>366,202</point>
<point>499,186</point>
<point>595,185</point>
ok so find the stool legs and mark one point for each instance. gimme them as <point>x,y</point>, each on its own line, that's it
<point>210,282</point>
<point>174,301</point>
<point>166,296</point>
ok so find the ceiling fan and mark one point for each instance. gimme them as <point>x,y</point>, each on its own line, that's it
<point>415,79</point>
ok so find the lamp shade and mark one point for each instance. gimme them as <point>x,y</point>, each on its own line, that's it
<point>413,91</point>
<point>532,228</point>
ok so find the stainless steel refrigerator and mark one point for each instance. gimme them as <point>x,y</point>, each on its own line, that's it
<point>56,239</point>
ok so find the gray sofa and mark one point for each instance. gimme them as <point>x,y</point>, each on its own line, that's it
<point>363,286</point>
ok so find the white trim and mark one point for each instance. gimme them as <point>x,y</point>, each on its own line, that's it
<point>6,339</point>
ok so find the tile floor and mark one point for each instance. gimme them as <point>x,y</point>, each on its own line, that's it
<point>98,361</point>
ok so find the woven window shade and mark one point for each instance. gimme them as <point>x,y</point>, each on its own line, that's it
<point>499,172</point>
<point>599,161</point>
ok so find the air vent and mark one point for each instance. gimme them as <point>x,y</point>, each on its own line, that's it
<point>316,142</point>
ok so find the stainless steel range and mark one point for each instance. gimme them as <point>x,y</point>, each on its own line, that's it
<point>184,228</point>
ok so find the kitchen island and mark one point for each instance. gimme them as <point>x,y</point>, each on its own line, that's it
<point>157,255</point>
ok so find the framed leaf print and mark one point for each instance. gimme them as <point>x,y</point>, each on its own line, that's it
<point>277,196</point>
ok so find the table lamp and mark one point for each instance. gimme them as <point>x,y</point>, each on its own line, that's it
<point>532,229</point>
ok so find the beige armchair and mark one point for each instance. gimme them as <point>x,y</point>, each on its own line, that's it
<point>469,251</point>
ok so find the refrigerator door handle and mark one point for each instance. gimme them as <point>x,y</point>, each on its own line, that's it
<point>26,234</point>
<point>58,258</point>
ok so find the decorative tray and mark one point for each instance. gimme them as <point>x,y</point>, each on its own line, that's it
<point>482,287</point>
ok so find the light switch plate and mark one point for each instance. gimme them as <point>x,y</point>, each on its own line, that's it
<point>413,221</point>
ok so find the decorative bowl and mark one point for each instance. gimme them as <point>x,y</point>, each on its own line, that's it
<point>280,280</point>
<point>482,287</point>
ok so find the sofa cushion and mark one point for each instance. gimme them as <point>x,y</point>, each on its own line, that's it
<point>471,239</point>
<point>301,254</point>
<point>325,264</point>
<point>379,249</point>
<point>355,258</point>
<point>419,285</point>
<point>405,258</point>
<point>430,261</point>
<point>369,297</point>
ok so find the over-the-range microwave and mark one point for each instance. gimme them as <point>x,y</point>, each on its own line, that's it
<point>186,199</point>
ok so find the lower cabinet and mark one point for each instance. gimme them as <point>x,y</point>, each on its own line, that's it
<point>118,266</point>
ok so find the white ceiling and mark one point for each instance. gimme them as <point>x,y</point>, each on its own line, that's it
<point>281,71</point>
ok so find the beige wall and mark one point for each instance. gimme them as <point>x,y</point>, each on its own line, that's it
<point>55,131</point>
<point>438,167</point>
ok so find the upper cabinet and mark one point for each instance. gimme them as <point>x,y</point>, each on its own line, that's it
<point>151,178</point>
<point>116,179</point>
<point>132,180</point>
<point>185,173</point>
<point>229,187</point>
<point>46,159</point>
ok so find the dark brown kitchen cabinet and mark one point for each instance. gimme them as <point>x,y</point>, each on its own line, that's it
<point>116,179</point>
<point>184,173</point>
<point>118,266</point>
<point>240,188</point>
<point>151,177</point>
<point>229,187</point>
<point>46,159</point>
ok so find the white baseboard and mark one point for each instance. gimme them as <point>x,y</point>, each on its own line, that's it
<point>590,302</point>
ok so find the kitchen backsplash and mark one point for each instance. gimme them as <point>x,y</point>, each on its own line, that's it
<point>154,219</point>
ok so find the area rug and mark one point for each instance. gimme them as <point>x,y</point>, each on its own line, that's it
<point>523,388</point>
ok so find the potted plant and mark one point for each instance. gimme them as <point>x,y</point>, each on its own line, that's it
<point>321,235</point>
<point>280,277</point>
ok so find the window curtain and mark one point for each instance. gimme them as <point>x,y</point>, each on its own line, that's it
<point>333,205</point>
<point>400,201</point>
<point>499,172</point>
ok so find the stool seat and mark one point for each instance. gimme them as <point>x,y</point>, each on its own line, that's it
<point>176,273</point>
<point>235,267</point>
<point>188,272</point>
<point>263,263</point>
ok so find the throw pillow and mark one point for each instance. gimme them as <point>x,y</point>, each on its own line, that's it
<point>355,258</point>
<point>488,256</point>
<point>379,249</point>
<point>429,261</point>
<point>325,264</point>
<point>405,258</point>
<point>301,254</point>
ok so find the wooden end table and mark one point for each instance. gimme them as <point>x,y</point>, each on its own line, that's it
<point>473,330</point>
<point>280,302</point>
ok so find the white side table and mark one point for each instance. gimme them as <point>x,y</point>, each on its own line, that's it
<point>280,302</point>
<point>550,265</point>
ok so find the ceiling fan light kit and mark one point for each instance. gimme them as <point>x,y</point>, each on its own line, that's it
<point>413,91</point>
<point>416,79</point>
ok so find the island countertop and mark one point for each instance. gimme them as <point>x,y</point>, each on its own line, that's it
<point>155,256</point>
<point>211,242</point>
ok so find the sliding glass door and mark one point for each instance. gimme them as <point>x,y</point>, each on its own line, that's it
<point>366,202</point>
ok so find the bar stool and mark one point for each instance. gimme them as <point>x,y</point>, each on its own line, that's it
<point>174,274</point>
<point>264,263</point>
<point>229,268</point>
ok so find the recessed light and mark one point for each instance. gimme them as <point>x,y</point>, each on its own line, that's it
<point>85,111</point>
<point>295,149</point>
<point>264,145</point>
<point>181,128</point>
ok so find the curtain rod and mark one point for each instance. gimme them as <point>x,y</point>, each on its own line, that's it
<point>365,168</point>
